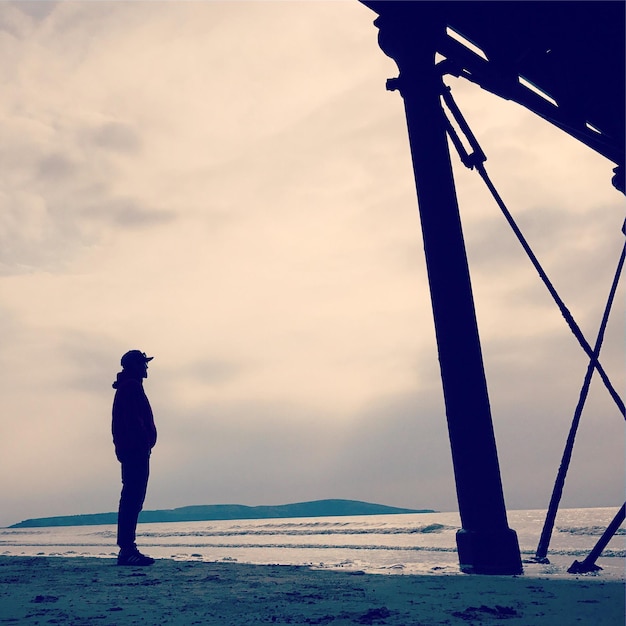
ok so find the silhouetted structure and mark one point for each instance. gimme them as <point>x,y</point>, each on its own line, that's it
<point>565,62</point>
<point>589,563</point>
<point>134,436</point>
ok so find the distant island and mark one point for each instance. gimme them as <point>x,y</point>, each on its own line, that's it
<point>213,512</point>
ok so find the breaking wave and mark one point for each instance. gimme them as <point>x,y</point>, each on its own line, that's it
<point>595,531</point>
<point>295,530</point>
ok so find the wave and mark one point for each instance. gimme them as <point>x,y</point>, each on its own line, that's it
<point>295,530</point>
<point>595,531</point>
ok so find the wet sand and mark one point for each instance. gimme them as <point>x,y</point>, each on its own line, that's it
<point>86,591</point>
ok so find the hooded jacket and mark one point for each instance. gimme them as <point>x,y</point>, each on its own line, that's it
<point>134,433</point>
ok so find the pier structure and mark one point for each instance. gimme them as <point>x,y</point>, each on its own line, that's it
<point>565,62</point>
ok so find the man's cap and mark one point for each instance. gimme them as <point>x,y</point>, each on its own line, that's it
<point>135,357</point>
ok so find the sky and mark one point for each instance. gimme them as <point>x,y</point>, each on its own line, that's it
<point>227,186</point>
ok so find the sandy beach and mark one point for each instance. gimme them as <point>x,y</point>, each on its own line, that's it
<point>81,591</point>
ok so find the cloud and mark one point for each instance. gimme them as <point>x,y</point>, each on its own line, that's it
<point>125,213</point>
<point>36,10</point>
<point>54,167</point>
<point>118,137</point>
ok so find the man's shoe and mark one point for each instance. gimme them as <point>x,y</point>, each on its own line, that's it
<point>134,559</point>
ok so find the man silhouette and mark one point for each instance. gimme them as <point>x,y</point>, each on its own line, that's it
<point>134,436</point>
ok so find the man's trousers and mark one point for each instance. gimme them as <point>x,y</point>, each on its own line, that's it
<point>135,473</point>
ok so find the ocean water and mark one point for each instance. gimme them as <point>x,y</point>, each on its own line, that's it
<point>392,544</point>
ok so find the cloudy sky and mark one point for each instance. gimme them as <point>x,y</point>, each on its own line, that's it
<point>227,186</point>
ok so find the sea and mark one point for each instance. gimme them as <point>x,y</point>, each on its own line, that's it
<point>419,543</point>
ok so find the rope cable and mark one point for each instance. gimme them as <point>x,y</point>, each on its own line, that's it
<point>476,160</point>
<point>557,492</point>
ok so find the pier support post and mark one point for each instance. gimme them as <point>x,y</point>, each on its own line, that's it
<point>486,545</point>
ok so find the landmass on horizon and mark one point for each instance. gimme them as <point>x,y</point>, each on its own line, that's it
<point>214,512</point>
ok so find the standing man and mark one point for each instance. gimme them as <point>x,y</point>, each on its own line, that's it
<point>134,436</point>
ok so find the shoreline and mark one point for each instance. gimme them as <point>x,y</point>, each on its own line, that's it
<point>86,590</point>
